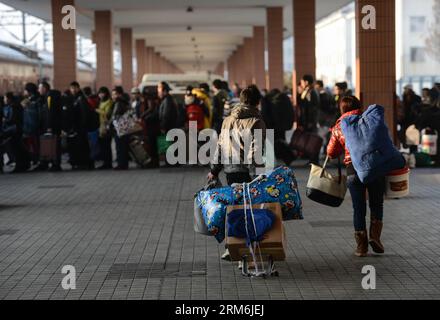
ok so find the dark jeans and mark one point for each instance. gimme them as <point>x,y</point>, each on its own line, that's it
<point>105,145</point>
<point>122,151</point>
<point>238,177</point>
<point>376,190</point>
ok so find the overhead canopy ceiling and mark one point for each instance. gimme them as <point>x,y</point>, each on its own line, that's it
<point>212,30</point>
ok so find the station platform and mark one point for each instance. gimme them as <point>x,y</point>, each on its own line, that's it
<point>130,235</point>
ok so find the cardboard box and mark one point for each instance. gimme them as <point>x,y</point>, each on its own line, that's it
<point>274,243</point>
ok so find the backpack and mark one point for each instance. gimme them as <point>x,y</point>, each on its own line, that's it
<point>372,152</point>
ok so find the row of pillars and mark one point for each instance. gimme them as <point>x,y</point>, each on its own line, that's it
<point>65,70</point>
<point>375,53</point>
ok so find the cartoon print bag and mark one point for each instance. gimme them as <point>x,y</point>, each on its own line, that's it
<point>277,186</point>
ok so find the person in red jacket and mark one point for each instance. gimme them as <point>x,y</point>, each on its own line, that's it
<point>349,106</point>
<point>194,109</point>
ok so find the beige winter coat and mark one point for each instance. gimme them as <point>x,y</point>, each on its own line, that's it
<point>239,133</point>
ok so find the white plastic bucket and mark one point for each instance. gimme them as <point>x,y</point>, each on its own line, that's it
<point>397,183</point>
<point>429,143</point>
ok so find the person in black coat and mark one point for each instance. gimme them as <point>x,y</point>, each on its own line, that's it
<point>12,132</point>
<point>167,108</point>
<point>79,143</point>
<point>308,103</point>
<point>50,122</point>
<point>150,117</point>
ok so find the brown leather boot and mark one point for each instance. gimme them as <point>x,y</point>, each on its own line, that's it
<point>362,243</point>
<point>375,232</point>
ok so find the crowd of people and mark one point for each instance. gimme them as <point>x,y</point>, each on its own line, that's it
<point>86,124</point>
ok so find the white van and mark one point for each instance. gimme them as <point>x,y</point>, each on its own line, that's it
<point>178,82</point>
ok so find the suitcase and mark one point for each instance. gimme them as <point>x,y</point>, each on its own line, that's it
<point>48,147</point>
<point>138,152</point>
<point>313,145</point>
<point>309,144</point>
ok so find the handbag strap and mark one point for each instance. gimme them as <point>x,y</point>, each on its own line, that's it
<point>339,168</point>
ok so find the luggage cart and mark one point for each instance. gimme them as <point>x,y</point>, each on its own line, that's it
<point>267,267</point>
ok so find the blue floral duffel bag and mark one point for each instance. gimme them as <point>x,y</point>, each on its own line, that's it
<point>278,185</point>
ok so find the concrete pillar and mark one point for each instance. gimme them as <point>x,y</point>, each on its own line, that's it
<point>275,47</point>
<point>149,59</point>
<point>241,67</point>
<point>64,48</point>
<point>259,71</point>
<point>234,67</point>
<point>104,49</point>
<point>376,58</point>
<point>248,51</point>
<point>221,69</point>
<point>156,63</point>
<point>140,58</point>
<point>127,57</point>
<point>304,17</point>
<point>228,68</point>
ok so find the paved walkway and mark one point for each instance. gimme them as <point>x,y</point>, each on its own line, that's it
<point>130,236</point>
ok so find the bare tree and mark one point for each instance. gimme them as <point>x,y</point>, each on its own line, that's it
<point>433,40</point>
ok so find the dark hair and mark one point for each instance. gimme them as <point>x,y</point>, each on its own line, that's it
<point>119,90</point>
<point>75,84</point>
<point>165,86</point>
<point>320,83</point>
<point>87,91</point>
<point>218,84</point>
<point>250,96</point>
<point>308,78</point>
<point>45,85</point>
<point>349,103</point>
<point>10,96</point>
<point>31,88</point>
<point>204,87</point>
<point>225,85</point>
<point>342,85</point>
<point>104,90</point>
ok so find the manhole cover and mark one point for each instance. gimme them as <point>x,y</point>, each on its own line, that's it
<point>8,232</point>
<point>331,224</point>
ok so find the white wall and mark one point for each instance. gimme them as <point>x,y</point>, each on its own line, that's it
<point>411,39</point>
<point>335,47</point>
<point>336,44</point>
